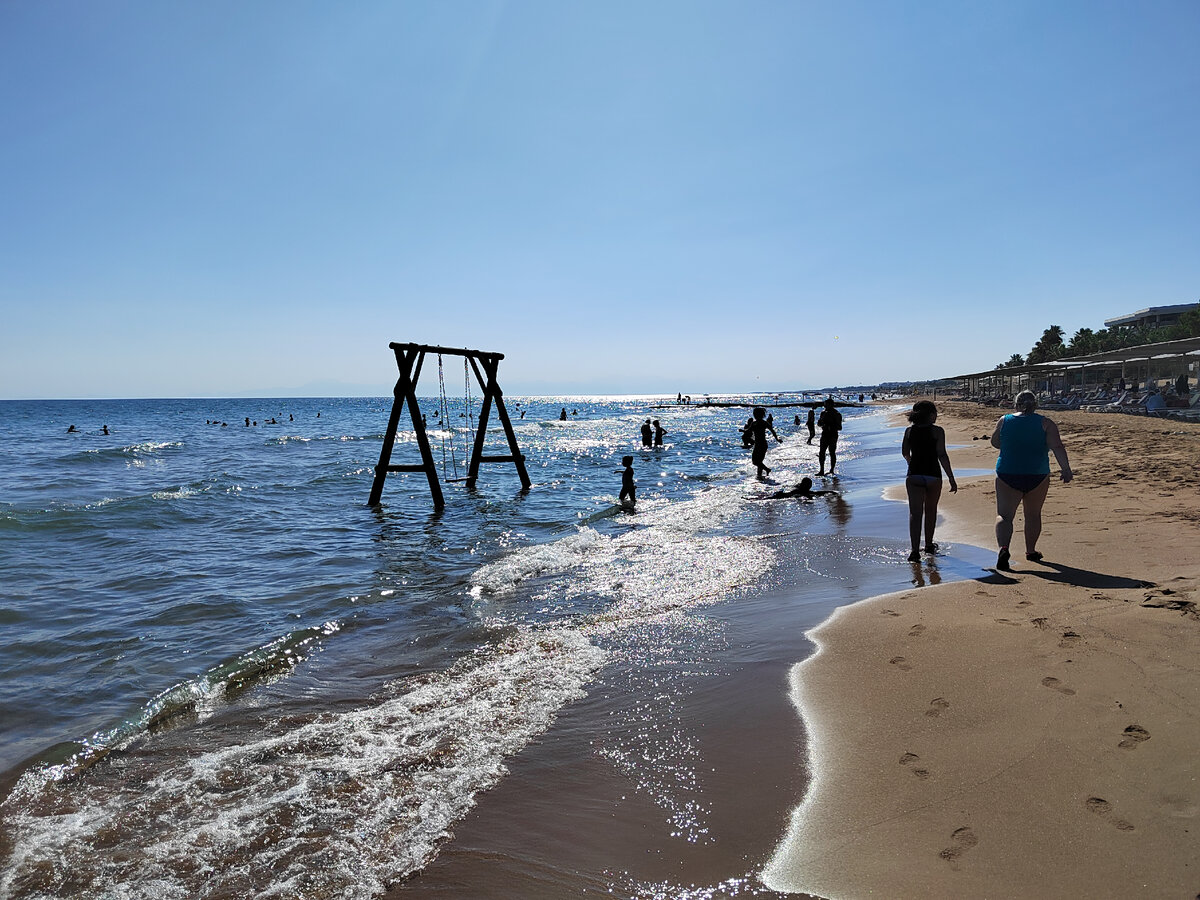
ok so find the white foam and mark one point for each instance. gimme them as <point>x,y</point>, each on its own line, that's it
<point>335,807</point>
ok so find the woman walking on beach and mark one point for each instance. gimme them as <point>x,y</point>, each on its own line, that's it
<point>924,448</point>
<point>1023,473</point>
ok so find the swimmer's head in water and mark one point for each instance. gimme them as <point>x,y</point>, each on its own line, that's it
<point>805,484</point>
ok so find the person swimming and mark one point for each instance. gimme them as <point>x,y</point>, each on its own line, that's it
<point>802,491</point>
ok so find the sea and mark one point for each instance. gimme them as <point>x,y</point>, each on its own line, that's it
<point>223,674</point>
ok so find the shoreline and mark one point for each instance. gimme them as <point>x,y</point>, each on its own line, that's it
<point>1026,733</point>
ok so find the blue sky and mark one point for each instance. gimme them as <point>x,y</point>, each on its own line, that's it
<point>229,198</point>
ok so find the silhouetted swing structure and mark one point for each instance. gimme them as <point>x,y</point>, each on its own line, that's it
<point>409,360</point>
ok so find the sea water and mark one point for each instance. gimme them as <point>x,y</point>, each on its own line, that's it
<point>224,674</point>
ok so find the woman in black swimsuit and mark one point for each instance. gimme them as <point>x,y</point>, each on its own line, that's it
<point>924,447</point>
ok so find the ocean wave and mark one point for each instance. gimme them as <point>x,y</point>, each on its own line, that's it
<point>339,805</point>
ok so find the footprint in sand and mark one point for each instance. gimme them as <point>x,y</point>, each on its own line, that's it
<point>1069,639</point>
<point>909,761</point>
<point>900,663</point>
<point>916,631</point>
<point>1040,622</point>
<point>889,612</point>
<point>937,706</point>
<point>983,594</point>
<point>960,842</point>
<point>1006,622</point>
<point>1025,603</point>
<point>1055,685</point>
<point>1103,809</point>
<point>1134,735</point>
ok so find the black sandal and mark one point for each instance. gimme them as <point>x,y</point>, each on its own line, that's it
<point>1002,560</point>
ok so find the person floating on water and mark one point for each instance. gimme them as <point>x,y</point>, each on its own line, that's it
<point>659,431</point>
<point>802,491</point>
<point>812,423</point>
<point>830,424</point>
<point>647,434</point>
<point>628,488</point>
<point>72,430</point>
<point>759,426</point>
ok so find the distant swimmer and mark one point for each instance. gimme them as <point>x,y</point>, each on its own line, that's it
<point>247,421</point>
<point>759,427</point>
<point>802,491</point>
<point>647,434</point>
<point>562,416</point>
<point>830,424</point>
<point>812,423</point>
<point>72,430</point>
<point>105,429</point>
<point>628,488</point>
<point>659,431</point>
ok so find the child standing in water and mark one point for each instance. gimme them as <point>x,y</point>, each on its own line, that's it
<point>628,488</point>
<point>759,426</point>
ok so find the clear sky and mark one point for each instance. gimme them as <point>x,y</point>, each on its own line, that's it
<point>229,198</point>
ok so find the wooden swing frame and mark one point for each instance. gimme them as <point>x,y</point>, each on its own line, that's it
<point>409,360</point>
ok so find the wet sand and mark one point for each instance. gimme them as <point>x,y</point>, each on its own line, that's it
<point>1020,734</point>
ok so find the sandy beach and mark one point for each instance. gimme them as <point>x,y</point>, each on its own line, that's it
<point>1024,734</point>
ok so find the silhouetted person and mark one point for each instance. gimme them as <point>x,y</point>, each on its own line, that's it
<point>830,424</point>
<point>628,488</point>
<point>72,430</point>
<point>247,421</point>
<point>924,449</point>
<point>812,424</point>
<point>647,434</point>
<point>759,426</point>
<point>105,429</point>
<point>562,416</point>
<point>659,431</point>
<point>1181,385</point>
<point>803,491</point>
<point>748,433</point>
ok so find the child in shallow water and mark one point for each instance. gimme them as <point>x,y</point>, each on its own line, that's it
<point>628,488</point>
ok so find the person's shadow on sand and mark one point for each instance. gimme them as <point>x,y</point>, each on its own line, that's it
<point>1066,575</point>
<point>1084,578</point>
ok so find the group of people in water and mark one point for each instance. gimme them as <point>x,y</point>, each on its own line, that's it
<point>1024,438</point>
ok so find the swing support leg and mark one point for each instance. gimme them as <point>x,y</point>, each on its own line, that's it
<point>405,393</point>
<point>491,392</point>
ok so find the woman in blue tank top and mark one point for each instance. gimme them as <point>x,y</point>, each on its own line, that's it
<point>1024,440</point>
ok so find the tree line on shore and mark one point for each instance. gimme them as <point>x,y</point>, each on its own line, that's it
<point>1051,345</point>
